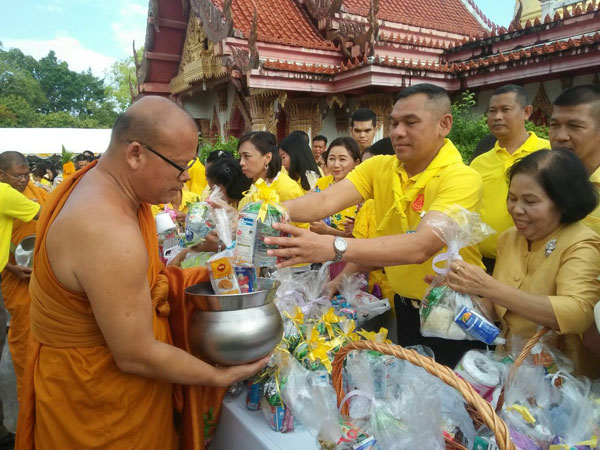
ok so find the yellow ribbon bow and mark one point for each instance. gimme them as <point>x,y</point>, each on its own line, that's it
<point>261,192</point>
<point>592,443</point>
<point>379,337</point>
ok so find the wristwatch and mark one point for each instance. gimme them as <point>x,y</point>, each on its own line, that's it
<point>339,246</point>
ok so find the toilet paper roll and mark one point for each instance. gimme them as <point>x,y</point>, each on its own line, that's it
<point>483,374</point>
<point>164,222</point>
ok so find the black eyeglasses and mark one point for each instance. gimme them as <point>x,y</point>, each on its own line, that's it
<point>168,161</point>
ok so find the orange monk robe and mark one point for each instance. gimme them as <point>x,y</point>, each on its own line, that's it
<point>73,394</point>
<point>16,290</point>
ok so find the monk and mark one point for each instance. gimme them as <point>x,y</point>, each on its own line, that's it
<point>15,278</point>
<point>100,369</point>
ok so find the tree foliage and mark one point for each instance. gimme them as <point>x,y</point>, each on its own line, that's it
<point>46,93</point>
<point>121,81</point>
<point>206,147</point>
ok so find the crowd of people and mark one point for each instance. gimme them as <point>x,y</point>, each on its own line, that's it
<point>91,333</point>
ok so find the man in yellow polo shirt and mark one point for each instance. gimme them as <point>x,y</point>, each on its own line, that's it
<point>423,180</point>
<point>13,205</point>
<point>575,125</point>
<point>507,112</point>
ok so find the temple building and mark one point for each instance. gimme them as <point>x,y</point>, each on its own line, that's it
<point>281,65</point>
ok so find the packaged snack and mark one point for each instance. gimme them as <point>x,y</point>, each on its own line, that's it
<point>477,325</point>
<point>246,278</point>
<point>254,394</point>
<point>255,224</point>
<point>459,228</point>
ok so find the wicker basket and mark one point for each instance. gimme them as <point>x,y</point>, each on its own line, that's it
<point>480,410</point>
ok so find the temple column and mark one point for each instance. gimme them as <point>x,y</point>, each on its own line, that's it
<point>262,112</point>
<point>381,105</point>
<point>304,114</point>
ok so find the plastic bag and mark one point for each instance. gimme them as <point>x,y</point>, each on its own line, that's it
<point>304,290</point>
<point>221,266</point>
<point>255,224</point>
<point>367,306</point>
<point>445,313</point>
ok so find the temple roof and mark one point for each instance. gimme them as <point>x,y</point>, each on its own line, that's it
<point>444,15</point>
<point>279,22</point>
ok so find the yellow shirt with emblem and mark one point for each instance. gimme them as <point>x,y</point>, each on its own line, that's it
<point>197,181</point>
<point>187,197</point>
<point>13,205</point>
<point>401,200</point>
<point>567,275</point>
<point>338,219</point>
<point>493,166</point>
<point>593,218</point>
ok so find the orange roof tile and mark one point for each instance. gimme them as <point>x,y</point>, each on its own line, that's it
<point>445,15</point>
<point>279,22</point>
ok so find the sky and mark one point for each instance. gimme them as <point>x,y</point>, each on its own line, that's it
<point>96,33</point>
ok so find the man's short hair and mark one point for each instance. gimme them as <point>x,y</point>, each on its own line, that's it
<point>81,157</point>
<point>363,115</point>
<point>434,93</point>
<point>9,159</point>
<point>521,95</point>
<point>320,137</point>
<point>581,95</point>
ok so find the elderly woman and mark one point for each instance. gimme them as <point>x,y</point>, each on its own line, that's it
<point>548,264</point>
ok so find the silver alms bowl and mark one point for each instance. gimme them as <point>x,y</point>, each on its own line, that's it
<point>203,296</point>
<point>236,337</point>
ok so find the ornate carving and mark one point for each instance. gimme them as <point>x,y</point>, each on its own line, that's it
<point>303,113</point>
<point>228,15</point>
<point>342,119</point>
<point>154,14</point>
<point>215,128</point>
<point>517,19</point>
<point>357,33</point>
<point>542,107</point>
<point>336,99</point>
<point>348,31</point>
<point>216,25</point>
<point>323,9</point>
<point>262,112</point>
<point>222,97</point>
<point>254,57</point>
<point>366,41</point>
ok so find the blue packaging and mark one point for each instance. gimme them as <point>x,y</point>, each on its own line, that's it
<point>477,325</point>
<point>246,276</point>
<point>255,391</point>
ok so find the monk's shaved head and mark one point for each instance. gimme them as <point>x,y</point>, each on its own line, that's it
<point>148,119</point>
<point>10,159</point>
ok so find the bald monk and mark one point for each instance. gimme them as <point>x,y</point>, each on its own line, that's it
<point>100,369</point>
<point>14,171</point>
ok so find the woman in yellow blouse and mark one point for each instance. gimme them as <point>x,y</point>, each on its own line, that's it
<point>259,159</point>
<point>179,204</point>
<point>298,161</point>
<point>341,157</point>
<point>548,265</point>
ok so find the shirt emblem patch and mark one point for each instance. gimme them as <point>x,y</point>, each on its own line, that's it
<point>417,205</point>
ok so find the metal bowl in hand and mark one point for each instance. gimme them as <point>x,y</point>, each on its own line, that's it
<point>204,298</point>
<point>236,337</point>
<point>24,251</point>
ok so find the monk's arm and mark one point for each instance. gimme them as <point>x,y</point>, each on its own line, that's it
<point>113,275</point>
<point>317,205</point>
<point>305,246</point>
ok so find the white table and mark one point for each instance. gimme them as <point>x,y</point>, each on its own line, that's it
<point>240,429</point>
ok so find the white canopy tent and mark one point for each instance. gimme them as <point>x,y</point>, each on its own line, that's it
<point>44,141</point>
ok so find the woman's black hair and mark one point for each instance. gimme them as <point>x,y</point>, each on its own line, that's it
<point>265,143</point>
<point>301,159</point>
<point>41,167</point>
<point>227,172</point>
<point>218,154</point>
<point>564,179</point>
<point>348,143</point>
<point>381,147</point>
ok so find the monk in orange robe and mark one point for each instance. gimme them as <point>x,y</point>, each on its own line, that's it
<point>101,369</point>
<point>15,278</point>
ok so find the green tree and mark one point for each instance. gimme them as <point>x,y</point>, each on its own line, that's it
<point>121,81</point>
<point>17,112</point>
<point>468,128</point>
<point>206,147</point>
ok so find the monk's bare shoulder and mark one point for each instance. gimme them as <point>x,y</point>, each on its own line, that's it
<point>97,232</point>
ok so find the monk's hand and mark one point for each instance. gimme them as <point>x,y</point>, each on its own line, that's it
<point>468,279</point>
<point>233,374</point>
<point>21,272</point>
<point>178,259</point>
<point>302,246</point>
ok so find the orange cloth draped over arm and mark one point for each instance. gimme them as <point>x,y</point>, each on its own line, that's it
<point>16,291</point>
<point>73,394</point>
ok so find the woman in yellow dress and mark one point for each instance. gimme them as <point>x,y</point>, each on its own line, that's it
<point>299,162</point>
<point>341,157</point>
<point>260,161</point>
<point>547,268</point>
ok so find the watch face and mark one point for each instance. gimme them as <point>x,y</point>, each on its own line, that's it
<point>340,244</point>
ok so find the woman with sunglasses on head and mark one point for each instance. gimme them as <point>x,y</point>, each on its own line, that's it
<point>298,160</point>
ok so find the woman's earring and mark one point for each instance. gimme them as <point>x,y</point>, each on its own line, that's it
<point>266,167</point>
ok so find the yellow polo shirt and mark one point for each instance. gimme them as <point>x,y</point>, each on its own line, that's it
<point>400,202</point>
<point>493,167</point>
<point>13,205</point>
<point>593,219</point>
<point>197,181</point>
<point>338,219</point>
<point>187,197</point>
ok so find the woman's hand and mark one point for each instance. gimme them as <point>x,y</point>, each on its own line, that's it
<point>210,244</point>
<point>348,227</point>
<point>320,227</point>
<point>468,279</point>
<point>178,259</point>
<point>302,246</point>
